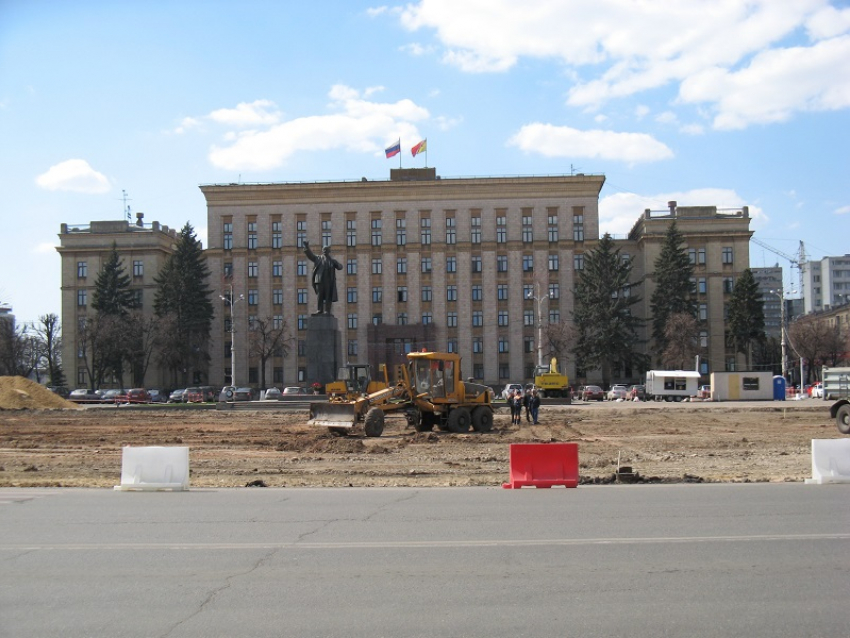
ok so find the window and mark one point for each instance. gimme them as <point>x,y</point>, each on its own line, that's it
<point>502,292</point>
<point>554,291</point>
<point>376,232</point>
<point>302,322</point>
<point>228,236</point>
<point>730,364</point>
<point>726,255</point>
<point>451,345</point>
<point>701,257</point>
<point>301,268</point>
<point>478,347</point>
<point>451,320</point>
<point>300,233</point>
<point>426,318</point>
<point>692,255</point>
<point>277,235</point>
<point>501,230</point>
<point>701,286</point>
<point>277,322</point>
<point>277,269</point>
<point>703,312</point>
<point>401,265</point>
<point>527,263</point>
<point>352,320</point>
<point>253,269</point>
<point>377,319</point>
<point>425,231</point>
<point>501,263</point>
<point>401,294</point>
<point>528,317</point>
<point>426,264</point>
<point>277,375</point>
<point>578,226</point>
<point>477,318</point>
<point>426,293</point>
<point>326,233</point>
<point>277,296</point>
<point>554,316</point>
<point>503,317</point>
<point>476,264</point>
<point>554,262</point>
<point>377,266</point>
<point>528,344</point>
<point>377,294</point>
<point>703,338</point>
<point>351,294</point>
<point>253,296</point>
<point>451,293</point>
<point>527,230</point>
<point>451,231</point>
<point>350,233</point>
<point>728,284</point>
<point>401,319</point>
<point>477,293</point>
<point>228,269</point>
<point>352,347</point>
<point>552,229</point>
<point>252,235</point>
<point>451,264</point>
<point>351,266</point>
<point>138,268</point>
<point>528,291</point>
<point>504,345</point>
<point>401,231</point>
<point>504,371</point>
<point>82,297</point>
<point>475,232</point>
<point>578,261</point>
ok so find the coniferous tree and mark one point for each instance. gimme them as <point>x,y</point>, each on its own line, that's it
<point>603,299</point>
<point>673,287</point>
<point>183,299</point>
<point>746,315</point>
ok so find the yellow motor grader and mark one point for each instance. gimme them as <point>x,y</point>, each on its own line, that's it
<point>429,391</point>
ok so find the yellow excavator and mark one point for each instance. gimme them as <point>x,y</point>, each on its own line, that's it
<point>429,391</point>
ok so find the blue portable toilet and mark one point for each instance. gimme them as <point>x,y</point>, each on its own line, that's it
<point>778,388</point>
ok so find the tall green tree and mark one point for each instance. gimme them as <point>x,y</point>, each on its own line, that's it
<point>746,316</point>
<point>673,287</point>
<point>607,330</point>
<point>183,300</point>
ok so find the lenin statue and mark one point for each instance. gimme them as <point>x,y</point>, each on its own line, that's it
<point>324,277</point>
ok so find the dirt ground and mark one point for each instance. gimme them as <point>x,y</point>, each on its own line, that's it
<point>710,442</point>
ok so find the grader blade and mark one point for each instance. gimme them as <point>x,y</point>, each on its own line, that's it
<point>333,415</point>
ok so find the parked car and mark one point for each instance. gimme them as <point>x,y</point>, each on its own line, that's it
<point>200,394</point>
<point>158,396</point>
<point>591,393</point>
<point>637,392</point>
<point>294,390</point>
<point>114,396</point>
<point>138,395</point>
<point>83,395</point>
<point>511,387</point>
<point>617,392</point>
<point>817,391</point>
<point>245,394</point>
<point>273,394</point>
<point>704,392</point>
<point>228,393</point>
<point>176,396</point>
<point>62,391</point>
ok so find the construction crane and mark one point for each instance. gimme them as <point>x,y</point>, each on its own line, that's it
<point>798,261</point>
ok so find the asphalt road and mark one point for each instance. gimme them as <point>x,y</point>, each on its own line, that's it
<point>636,561</point>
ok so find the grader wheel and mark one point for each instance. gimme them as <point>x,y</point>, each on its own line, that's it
<point>459,420</point>
<point>374,422</point>
<point>482,419</point>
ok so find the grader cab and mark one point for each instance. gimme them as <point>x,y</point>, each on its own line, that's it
<point>429,391</point>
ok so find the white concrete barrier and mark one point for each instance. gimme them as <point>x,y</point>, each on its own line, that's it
<point>154,468</point>
<point>830,461</point>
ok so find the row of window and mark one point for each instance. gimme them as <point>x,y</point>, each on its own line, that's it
<point>138,269</point>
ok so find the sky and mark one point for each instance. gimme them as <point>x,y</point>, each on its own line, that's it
<point>106,105</point>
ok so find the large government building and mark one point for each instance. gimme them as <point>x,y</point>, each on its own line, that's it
<point>477,266</point>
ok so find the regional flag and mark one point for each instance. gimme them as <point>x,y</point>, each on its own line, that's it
<point>420,148</point>
<point>393,150</point>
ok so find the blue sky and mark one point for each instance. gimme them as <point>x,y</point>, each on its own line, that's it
<point>706,102</point>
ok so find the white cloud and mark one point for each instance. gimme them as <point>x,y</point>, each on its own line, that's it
<point>73,175</point>
<point>626,47</point>
<point>844,210</point>
<point>256,113</point>
<point>45,248</point>
<point>619,212</point>
<point>563,141</point>
<point>357,124</point>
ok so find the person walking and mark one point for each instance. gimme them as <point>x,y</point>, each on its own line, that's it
<point>534,403</point>
<point>515,401</point>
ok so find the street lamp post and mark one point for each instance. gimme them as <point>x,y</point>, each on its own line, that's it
<point>781,295</point>
<point>231,301</point>
<point>539,301</point>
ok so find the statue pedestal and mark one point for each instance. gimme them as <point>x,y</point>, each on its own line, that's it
<point>324,349</point>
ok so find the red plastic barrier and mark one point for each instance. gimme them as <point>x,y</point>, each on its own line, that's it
<point>543,465</point>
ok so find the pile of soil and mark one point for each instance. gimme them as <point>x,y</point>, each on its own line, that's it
<point>18,393</point>
<point>701,442</point>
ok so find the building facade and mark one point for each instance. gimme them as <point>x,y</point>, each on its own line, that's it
<point>84,248</point>
<point>770,284</point>
<point>826,283</point>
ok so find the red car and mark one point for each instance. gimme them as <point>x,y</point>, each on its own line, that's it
<point>591,393</point>
<point>138,395</point>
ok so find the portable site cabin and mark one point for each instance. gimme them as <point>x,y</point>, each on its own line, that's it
<point>671,385</point>
<point>742,386</point>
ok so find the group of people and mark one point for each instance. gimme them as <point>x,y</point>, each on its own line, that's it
<point>529,400</point>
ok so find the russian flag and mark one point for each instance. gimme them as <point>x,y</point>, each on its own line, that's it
<point>393,150</point>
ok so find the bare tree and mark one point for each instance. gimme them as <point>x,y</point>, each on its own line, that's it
<point>49,332</point>
<point>18,350</point>
<point>811,339</point>
<point>267,338</point>
<point>681,334</point>
<point>561,338</point>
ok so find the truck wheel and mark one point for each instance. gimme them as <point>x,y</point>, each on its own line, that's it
<point>842,419</point>
<point>374,422</point>
<point>482,419</point>
<point>459,420</point>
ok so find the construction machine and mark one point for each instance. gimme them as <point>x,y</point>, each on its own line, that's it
<point>429,391</point>
<point>551,383</point>
<point>354,381</point>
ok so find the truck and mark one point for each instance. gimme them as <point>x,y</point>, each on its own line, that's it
<point>550,382</point>
<point>429,391</point>
<point>355,380</point>
<point>671,385</point>
<point>836,383</point>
